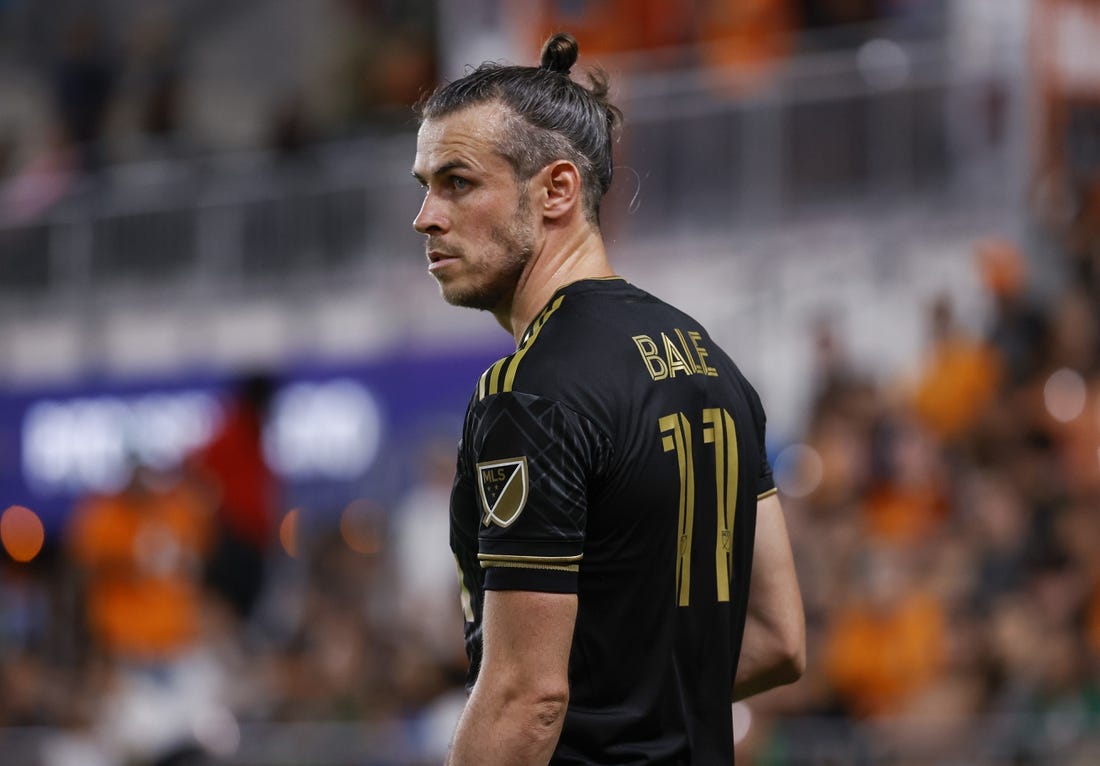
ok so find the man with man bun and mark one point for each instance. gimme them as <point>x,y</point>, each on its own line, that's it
<point>624,562</point>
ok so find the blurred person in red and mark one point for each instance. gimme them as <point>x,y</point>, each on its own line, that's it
<point>232,465</point>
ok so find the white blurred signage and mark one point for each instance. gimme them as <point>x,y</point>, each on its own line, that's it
<point>90,444</point>
<point>323,430</point>
<point>327,431</point>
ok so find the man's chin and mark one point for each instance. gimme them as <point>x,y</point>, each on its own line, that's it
<point>493,295</point>
<point>467,299</point>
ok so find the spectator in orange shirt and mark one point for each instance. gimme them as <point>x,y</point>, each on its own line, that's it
<point>906,502</point>
<point>959,379</point>
<point>887,645</point>
<point>141,553</point>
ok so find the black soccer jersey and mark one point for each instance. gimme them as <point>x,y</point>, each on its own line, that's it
<point>619,454</point>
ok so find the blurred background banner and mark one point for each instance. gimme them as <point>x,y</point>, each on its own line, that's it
<point>331,430</point>
<point>230,396</point>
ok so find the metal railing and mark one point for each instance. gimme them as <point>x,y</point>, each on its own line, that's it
<point>906,164</point>
<point>694,156</point>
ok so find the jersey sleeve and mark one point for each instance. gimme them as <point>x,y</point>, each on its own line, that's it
<point>765,482</point>
<point>529,462</point>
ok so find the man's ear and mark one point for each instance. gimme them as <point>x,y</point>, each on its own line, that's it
<point>561,186</point>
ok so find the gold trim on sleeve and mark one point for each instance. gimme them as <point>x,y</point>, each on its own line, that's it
<point>528,565</point>
<point>500,558</point>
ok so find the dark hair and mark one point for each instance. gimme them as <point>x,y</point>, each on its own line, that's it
<point>554,116</point>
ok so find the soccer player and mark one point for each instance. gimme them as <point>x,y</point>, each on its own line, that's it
<point>625,566</point>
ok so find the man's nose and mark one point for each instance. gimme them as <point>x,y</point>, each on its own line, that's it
<point>430,219</point>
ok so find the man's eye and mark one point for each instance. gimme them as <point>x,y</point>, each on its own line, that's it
<point>458,183</point>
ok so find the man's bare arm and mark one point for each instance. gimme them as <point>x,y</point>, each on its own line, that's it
<point>773,651</point>
<point>516,710</point>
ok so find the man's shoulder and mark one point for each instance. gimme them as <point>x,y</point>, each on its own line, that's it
<point>595,340</point>
<point>549,368</point>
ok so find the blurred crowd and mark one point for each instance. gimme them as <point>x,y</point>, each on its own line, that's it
<point>946,526</point>
<point>191,602</point>
<point>112,90</point>
<point>120,82</point>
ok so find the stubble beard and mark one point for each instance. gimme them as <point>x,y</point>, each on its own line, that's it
<point>494,279</point>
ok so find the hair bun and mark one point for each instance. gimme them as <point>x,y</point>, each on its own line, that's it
<point>559,53</point>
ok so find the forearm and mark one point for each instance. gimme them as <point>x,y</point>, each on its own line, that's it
<point>773,647</point>
<point>494,731</point>
<point>764,665</point>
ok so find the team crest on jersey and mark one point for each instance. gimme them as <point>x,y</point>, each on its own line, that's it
<point>503,488</point>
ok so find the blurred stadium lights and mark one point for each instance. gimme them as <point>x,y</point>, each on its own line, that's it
<point>289,527</point>
<point>799,470</point>
<point>1065,395</point>
<point>21,533</point>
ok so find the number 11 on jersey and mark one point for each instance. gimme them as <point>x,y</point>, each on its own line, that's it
<point>719,430</point>
<point>678,439</point>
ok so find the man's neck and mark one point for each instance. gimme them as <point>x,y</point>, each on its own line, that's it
<point>562,260</point>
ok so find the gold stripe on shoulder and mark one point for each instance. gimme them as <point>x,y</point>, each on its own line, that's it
<point>489,381</point>
<point>510,377</point>
<point>769,493</point>
<point>494,376</point>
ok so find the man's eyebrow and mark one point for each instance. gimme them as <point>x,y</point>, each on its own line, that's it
<point>443,169</point>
